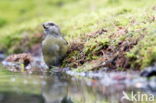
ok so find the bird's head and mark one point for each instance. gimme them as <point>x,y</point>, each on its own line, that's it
<point>51,28</point>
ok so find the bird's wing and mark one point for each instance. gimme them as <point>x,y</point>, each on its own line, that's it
<point>64,39</point>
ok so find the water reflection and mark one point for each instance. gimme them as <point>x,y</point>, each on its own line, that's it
<point>61,88</point>
<point>56,90</point>
<point>13,97</point>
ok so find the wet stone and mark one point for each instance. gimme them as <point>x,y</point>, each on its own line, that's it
<point>24,62</point>
<point>2,56</point>
<point>149,72</point>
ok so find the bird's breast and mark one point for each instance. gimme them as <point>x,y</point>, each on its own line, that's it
<point>52,44</point>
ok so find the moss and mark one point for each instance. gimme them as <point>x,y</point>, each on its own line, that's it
<point>3,22</point>
<point>144,53</point>
<point>103,29</point>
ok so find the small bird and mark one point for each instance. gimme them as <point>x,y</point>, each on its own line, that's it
<point>54,46</point>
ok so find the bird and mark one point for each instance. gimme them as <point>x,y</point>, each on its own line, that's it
<point>54,46</point>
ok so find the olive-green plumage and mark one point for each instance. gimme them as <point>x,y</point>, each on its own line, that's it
<point>54,46</point>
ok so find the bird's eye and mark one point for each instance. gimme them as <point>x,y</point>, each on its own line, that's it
<point>51,24</point>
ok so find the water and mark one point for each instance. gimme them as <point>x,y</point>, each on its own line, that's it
<point>63,88</point>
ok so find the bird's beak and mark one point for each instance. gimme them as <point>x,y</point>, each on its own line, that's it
<point>44,26</point>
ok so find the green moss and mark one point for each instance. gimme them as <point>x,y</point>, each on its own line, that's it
<point>2,22</point>
<point>78,19</point>
<point>144,53</point>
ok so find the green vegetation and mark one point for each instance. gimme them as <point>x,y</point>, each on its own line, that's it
<point>118,34</point>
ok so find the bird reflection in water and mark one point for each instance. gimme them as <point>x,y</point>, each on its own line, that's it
<point>56,91</point>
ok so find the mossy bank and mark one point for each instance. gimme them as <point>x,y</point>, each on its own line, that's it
<point>119,34</point>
